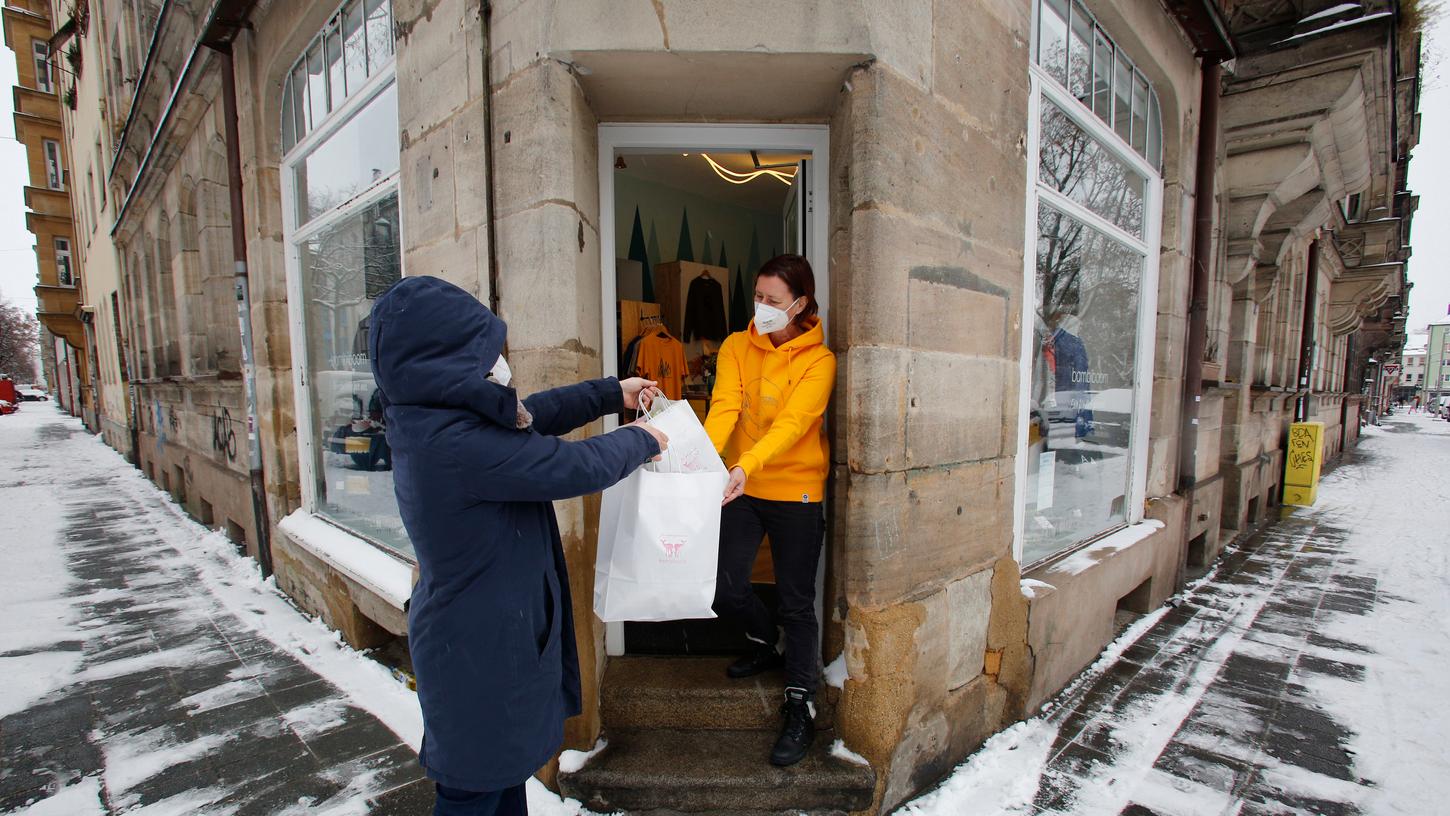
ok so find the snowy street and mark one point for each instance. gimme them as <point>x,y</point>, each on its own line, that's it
<point>147,669</point>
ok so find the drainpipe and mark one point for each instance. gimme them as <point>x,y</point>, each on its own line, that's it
<point>1203,212</point>
<point>242,286</point>
<point>1205,169</point>
<point>1306,336</point>
<point>486,20</point>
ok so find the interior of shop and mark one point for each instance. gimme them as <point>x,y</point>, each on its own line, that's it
<point>692,229</point>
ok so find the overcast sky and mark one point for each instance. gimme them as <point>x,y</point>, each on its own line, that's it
<point>1429,178</point>
<point>17,246</point>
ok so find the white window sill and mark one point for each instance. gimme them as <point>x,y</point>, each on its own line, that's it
<point>1076,562</point>
<point>387,576</point>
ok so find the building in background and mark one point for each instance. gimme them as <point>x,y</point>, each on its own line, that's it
<point>91,118</point>
<point>1080,271</point>
<point>28,29</point>
<point>1437,360</point>
<point>1411,384</point>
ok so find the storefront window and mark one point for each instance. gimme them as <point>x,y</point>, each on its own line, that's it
<point>1095,203</point>
<point>343,234</point>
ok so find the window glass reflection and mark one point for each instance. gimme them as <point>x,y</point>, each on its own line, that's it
<point>1073,163</point>
<point>344,269</point>
<point>1082,391</point>
<point>1052,39</point>
<point>357,156</point>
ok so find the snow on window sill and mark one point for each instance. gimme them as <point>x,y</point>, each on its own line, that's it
<point>1095,553</point>
<point>386,576</point>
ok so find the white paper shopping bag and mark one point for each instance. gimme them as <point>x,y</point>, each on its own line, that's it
<point>659,539</point>
<point>690,449</point>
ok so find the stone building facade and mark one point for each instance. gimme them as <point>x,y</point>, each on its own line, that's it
<point>37,94</point>
<point>1005,204</point>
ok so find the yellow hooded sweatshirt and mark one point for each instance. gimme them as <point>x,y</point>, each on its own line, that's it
<point>767,414</point>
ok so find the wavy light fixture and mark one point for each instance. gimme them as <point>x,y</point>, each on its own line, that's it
<point>745,178</point>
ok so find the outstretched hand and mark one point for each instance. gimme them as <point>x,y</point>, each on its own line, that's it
<point>658,434</point>
<point>639,392</point>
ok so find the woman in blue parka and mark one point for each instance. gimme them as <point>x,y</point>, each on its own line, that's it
<point>490,624</point>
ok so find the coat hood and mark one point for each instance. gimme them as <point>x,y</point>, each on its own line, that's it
<point>432,344</point>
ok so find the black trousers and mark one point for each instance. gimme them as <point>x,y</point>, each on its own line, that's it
<point>795,530</point>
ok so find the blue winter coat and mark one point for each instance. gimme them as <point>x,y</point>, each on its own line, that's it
<point>490,624</point>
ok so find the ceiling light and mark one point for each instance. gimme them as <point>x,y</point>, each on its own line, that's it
<point>744,178</point>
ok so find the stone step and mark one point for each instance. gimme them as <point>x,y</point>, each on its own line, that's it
<point>690,692</point>
<point>658,771</point>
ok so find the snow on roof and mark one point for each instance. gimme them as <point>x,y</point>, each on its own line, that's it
<point>1334,26</point>
<point>1330,12</point>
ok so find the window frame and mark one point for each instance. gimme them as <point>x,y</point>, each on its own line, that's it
<point>42,60</point>
<point>54,182</point>
<point>1043,86</point>
<point>293,238</point>
<point>55,243</point>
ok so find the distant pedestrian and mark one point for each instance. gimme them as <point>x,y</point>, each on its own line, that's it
<point>490,623</point>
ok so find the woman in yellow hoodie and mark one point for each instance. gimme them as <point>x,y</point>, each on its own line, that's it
<point>772,384</point>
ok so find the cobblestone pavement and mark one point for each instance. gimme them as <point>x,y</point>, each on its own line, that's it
<point>174,705</point>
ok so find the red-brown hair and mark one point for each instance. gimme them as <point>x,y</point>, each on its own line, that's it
<point>795,272</point>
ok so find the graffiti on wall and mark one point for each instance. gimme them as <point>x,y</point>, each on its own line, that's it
<point>223,437</point>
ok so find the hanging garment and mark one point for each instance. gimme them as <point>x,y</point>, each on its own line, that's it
<point>705,310</point>
<point>630,360</point>
<point>660,357</point>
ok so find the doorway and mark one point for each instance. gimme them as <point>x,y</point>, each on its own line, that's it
<point>688,213</point>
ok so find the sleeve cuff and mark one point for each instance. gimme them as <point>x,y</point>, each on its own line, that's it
<point>611,393</point>
<point>748,463</point>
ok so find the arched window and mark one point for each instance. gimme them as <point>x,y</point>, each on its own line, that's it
<point>339,129</point>
<point>1092,257</point>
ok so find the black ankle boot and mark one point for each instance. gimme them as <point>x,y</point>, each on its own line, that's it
<point>762,659</point>
<point>797,729</point>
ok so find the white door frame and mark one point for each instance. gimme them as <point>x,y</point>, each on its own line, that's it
<point>620,139</point>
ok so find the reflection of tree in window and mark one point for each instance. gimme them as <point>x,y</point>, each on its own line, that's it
<point>1072,162</point>
<point>1084,274</point>
<point>347,267</point>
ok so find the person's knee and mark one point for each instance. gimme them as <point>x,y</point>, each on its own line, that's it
<point>797,611</point>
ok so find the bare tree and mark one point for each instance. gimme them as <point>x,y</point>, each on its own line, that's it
<point>19,338</point>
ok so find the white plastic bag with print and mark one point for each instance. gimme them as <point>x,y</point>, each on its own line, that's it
<point>659,529</point>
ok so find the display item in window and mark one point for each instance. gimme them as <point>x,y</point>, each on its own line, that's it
<point>705,310</point>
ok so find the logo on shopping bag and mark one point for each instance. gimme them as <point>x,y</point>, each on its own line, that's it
<point>674,546</point>
<point>692,463</point>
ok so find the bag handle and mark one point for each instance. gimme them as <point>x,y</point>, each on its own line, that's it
<point>657,406</point>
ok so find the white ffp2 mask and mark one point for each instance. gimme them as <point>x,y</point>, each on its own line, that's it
<point>500,372</point>
<point>769,319</point>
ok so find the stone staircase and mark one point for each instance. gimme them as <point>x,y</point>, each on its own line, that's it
<point>684,738</point>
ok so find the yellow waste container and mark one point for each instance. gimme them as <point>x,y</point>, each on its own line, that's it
<point>1302,463</point>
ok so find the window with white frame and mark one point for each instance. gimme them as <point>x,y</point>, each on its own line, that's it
<point>1094,195</point>
<point>340,178</point>
<point>40,51</point>
<point>64,273</point>
<point>54,174</point>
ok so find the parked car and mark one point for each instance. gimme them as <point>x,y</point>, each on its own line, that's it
<point>29,393</point>
<point>8,397</point>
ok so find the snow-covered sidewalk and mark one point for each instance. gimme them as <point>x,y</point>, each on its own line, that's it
<point>148,669</point>
<point>1306,673</point>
